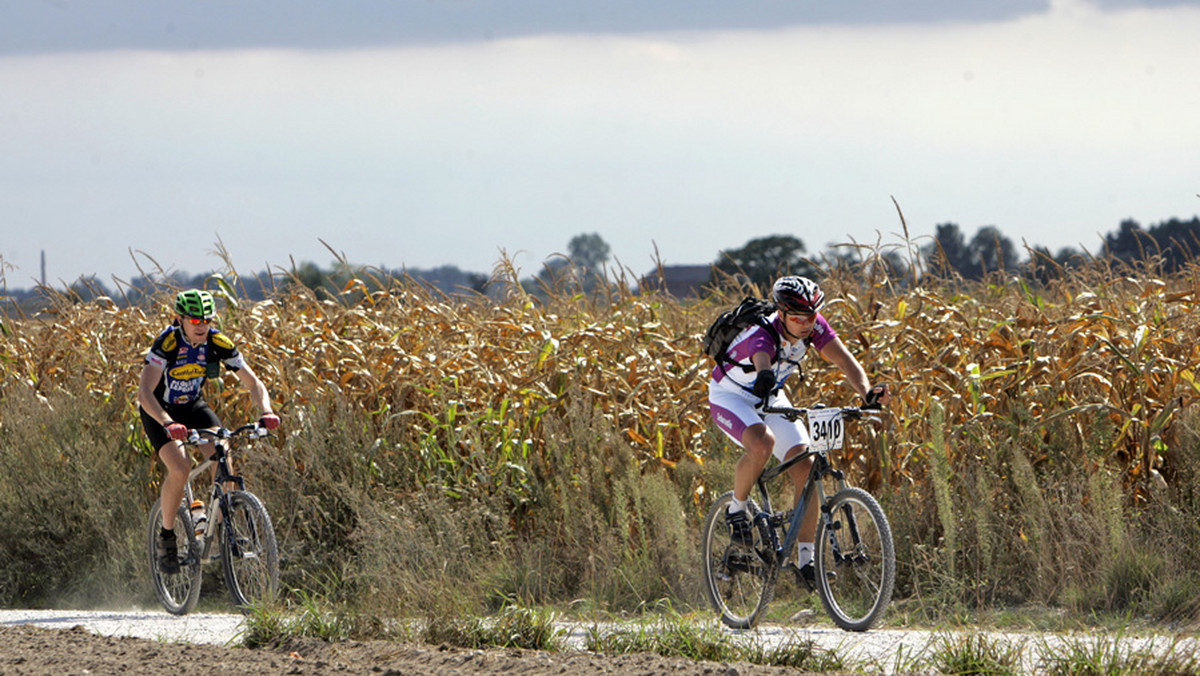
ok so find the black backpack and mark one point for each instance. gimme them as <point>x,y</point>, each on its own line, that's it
<point>732,322</point>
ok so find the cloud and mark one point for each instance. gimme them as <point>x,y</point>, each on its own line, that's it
<point>1051,126</point>
<point>98,25</point>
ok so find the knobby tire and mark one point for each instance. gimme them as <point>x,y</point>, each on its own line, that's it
<point>738,582</point>
<point>251,558</point>
<point>178,592</point>
<point>856,546</point>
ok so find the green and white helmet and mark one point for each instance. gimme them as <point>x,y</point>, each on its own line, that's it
<point>195,303</point>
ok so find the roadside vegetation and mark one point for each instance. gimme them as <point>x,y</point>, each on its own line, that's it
<point>451,457</point>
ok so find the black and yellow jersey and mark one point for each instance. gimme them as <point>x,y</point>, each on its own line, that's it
<point>186,367</point>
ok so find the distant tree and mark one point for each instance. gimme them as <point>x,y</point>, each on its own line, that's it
<point>991,251</point>
<point>86,289</point>
<point>589,252</point>
<point>764,259</point>
<point>1129,243</point>
<point>583,266</point>
<point>987,252</point>
<point>948,254</point>
<point>450,279</point>
<point>1044,266</point>
<point>313,277</point>
<point>1171,244</point>
<point>1179,239</point>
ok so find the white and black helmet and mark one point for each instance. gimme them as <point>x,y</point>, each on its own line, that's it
<point>797,294</point>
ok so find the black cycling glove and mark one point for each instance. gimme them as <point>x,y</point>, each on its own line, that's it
<point>874,395</point>
<point>764,383</point>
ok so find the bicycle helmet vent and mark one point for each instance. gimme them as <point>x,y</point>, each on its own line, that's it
<point>797,294</point>
<point>195,303</point>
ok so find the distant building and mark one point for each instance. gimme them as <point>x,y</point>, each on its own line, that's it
<point>680,281</point>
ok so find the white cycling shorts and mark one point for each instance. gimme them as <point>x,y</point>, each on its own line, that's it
<point>733,412</point>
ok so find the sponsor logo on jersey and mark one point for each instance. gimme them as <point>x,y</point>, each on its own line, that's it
<point>222,341</point>
<point>169,342</point>
<point>186,372</point>
<point>724,422</point>
<point>182,391</point>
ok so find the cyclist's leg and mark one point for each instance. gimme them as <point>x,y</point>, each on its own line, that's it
<point>791,439</point>
<point>174,455</point>
<point>735,415</point>
<point>758,442</point>
<point>200,416</point>
<point>174,459</point>
<point>799,474</point>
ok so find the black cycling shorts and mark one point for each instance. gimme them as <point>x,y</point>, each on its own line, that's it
<point>195,416</point>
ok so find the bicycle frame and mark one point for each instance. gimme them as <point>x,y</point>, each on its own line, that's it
<point>813,490</point>
<point>853,566</point>
<point>219,497</point>
<point>767,520</point>
<point>244,537</point>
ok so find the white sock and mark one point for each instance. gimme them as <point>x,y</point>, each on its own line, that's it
<point>804,553</point>
<point>736,505</point>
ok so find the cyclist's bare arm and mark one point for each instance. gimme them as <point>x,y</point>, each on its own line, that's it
<point>151,376</point>
<point>835,352</point>
<point>254,385</point>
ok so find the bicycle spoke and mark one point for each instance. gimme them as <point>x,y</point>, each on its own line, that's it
<point>856,546</point>
<point>178,592</point>
<point>251,558</point>
<point>738,581</point>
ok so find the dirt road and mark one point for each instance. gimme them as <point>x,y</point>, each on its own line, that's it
<point>138,641</point>
<point>30,649</point>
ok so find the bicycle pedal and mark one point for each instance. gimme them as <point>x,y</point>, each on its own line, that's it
<point>738,563</point>
<point>806,576</point>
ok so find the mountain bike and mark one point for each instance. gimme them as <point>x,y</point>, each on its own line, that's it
<point>854,559</point>
<point>236,528</point>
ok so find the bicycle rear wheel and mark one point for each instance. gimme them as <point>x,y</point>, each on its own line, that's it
<point>251,557</point>
<point>178,592</point>
<point>739,582</point>
<point>855,560</point>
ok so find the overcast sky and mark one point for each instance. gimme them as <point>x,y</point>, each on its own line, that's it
<point>432,132</point>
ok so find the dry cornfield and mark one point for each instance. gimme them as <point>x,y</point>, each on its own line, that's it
<point>999,387</point>
<point>1107,358</point>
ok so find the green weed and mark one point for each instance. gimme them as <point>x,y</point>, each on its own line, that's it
<point>975,654</point>
<point>1113,656</point>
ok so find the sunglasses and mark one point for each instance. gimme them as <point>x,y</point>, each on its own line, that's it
<point>196,321</point>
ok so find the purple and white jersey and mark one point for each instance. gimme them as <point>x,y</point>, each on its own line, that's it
<point>755,339</point>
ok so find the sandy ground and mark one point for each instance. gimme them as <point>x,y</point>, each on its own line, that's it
<point>29,649</point>
<point>150,642</point>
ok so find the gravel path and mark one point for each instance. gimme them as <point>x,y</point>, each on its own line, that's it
<point>141,641</point>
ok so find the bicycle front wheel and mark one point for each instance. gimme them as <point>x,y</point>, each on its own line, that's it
<point>249,553</point>
<point>855,559</point>
<point>739,582</point>
<point>178,592</point>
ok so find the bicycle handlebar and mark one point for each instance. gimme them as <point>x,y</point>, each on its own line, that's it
<point>848,412</point>
<point>252,430</point>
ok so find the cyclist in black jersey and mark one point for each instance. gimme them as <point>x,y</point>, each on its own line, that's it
<point>183,356</point>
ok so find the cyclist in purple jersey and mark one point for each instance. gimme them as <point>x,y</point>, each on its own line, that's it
<point>183,356</point>
<point>763,366</point>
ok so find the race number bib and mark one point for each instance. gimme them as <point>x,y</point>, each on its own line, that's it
<point>826,428</point>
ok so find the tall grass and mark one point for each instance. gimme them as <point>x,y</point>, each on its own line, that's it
<point>1042,444</point>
